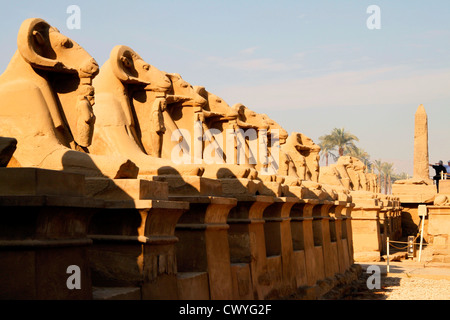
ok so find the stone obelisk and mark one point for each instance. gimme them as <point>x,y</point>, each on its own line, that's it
<point>421,160</point>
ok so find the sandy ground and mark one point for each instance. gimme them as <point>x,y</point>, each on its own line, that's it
<point>402,287</point>
<point>406,280</point>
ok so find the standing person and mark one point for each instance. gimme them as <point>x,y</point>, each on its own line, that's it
<point>447,167</point>
<point>439,167</point>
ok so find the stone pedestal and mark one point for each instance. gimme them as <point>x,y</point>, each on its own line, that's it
<point>365,224</point>
<point>134,246</point>
<point>43,235</point>
<point>339,215</point>
<point>322,234</point>
<point>385,227</point>
<point>322,246</point>
<point>273,189</point>
<point>299,238</point>
<point>347,232</point>
<point>390,219</point>
<point>203,246</point>
<point>247,246</point>
<point>190,185</point>
<point>414,193</point>
<point>444,186</point>
<point>439,232</point>
<point>409,198</point>
<point>279,249</point>
<point>40,182</point>
<point>126,189</point>
<point>231,187</point>
<point>313,249</point>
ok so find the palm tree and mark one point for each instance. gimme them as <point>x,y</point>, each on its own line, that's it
<point>378,164</point>
<point>344,141</point>
<point>326,150</point>
<point>387,169</point>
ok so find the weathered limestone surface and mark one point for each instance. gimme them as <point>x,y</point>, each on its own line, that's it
<point>414,193</point>
<point>419,190</point>
<point>43,232</point>
<point>91,160</point>
<point>375,216</point>
<point>204,227</point>
<point>421,159</point>
<point>438,231</point>
<point>444,186</point>
<point>117,128</point>
<point>47,104</point>
<point>134,246</point>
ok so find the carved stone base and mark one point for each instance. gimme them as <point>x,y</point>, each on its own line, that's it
<point>35,182</point>
<point>191,185</point>
<point>240,186</point>
<point>413,193</point>
<point>123,189</point>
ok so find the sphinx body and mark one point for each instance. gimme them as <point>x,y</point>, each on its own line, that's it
<point>353,174</point>
<point>373,182</point>
<point>119,126</point>
<point>304,154</point>
<point>46,99</point>
<point>185,107</point>
<point>356,171</point>
<point>349,173</point>
<point>259,144</point>
<point>220,124</point>
<point>360,169</point>
<point>331,176</point>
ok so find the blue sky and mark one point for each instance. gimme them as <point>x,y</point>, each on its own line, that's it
<point>310,65</point>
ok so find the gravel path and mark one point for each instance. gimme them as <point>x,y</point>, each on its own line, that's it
<point>415,288</point>
<point>400,288</point>
<point>407,281</point>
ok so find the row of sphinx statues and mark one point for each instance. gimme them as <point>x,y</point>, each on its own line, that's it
<point>118,120</point>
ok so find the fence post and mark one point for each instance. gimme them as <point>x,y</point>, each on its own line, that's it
<point>387,251</point>
<point>423,213</point>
